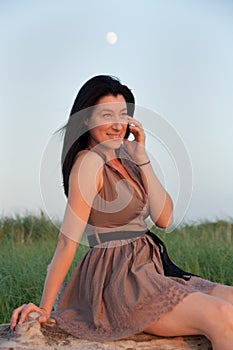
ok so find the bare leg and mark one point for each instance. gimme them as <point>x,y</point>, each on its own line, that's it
<point>223,292</point>
<point>199,313</point>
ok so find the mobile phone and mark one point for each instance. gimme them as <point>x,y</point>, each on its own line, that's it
<point>127,132</point>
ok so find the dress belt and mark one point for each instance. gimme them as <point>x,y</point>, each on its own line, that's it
<point>170,268</point>
<point>99,238</point>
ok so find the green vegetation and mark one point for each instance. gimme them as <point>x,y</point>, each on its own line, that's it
<point>28,243</point>
<point>204,249</point>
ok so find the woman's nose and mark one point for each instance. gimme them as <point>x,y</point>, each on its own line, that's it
<point>117,126</point>
<point>119,123</point>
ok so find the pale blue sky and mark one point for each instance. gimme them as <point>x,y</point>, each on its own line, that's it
<point>175,55</point>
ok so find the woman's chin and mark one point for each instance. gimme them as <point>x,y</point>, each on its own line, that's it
<point>113,144</point>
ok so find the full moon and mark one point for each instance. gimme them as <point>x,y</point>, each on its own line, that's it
<point>111,38</point>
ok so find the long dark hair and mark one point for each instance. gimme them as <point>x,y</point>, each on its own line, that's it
<point>76,133</point>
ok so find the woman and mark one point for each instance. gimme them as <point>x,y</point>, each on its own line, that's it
<point>126,282</point>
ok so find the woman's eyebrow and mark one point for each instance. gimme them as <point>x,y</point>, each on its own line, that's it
<point>111,110</point>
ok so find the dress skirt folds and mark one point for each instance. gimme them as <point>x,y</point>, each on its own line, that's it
<point>123,284</point>
<point>116,291</point>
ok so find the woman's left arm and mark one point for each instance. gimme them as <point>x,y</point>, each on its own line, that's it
<point>161,206</point>
<point>160,203</point>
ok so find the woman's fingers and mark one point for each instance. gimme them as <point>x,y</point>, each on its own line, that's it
<point>20,314</point>
<point>15,316</point>
<point>133,121</point>
<point>137,130</point>
<point>43,318</point>
<point>25,311</point>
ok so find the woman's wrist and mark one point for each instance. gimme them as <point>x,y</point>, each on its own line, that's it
<point>144,163</point>
<point>141,159</point>
<point>46,311</point>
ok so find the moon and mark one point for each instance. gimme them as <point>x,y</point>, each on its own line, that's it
<point>111,38</point>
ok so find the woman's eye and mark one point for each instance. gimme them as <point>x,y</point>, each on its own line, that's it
<point>124,115</point>
<point>107,115</point>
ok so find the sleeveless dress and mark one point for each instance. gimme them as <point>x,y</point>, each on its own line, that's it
<point>121,286</point>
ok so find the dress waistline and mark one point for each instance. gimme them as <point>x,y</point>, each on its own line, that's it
<point>99,238</point>
<point>170,268</point>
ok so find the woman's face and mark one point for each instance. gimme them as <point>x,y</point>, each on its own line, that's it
<point>108,122</point>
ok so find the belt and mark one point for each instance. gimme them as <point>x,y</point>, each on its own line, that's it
<point>99,238</point>
<point>170,268</point>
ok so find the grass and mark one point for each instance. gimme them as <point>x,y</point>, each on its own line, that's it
<point>27,247</point>
<point>28,243</point>
<point>204,249</point>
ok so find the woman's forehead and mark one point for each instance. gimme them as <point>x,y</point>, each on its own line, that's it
<point>111,103</point>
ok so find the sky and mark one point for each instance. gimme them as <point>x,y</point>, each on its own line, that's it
<point>175,55</point>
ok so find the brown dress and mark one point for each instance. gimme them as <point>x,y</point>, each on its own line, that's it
<point>120,286</point>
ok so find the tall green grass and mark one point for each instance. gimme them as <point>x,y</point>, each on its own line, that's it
<point>206,249</point>
<point>27,244</point>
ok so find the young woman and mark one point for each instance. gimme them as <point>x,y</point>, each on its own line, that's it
<point>126,282</point>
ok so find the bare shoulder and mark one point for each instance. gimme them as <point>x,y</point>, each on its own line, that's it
<point>89,160</point>
<point>88,168</point>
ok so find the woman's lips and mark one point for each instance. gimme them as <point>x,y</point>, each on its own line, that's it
<point>114,136</point>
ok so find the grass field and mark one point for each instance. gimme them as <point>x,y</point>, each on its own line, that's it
<point>28,243</point>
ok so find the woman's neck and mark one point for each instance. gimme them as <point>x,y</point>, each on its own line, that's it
<point>107,152</point>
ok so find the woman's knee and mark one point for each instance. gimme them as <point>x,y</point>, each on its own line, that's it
<point>225,314</point>
<point>220,320</point>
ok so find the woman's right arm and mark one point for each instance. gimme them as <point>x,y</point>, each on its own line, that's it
<point>57,271</point>
<point>84,184</point>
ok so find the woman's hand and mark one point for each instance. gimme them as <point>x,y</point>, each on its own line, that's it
<point>136,148</point>
<point>20,314</point>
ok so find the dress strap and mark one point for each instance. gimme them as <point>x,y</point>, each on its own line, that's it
<point>101,154</point>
